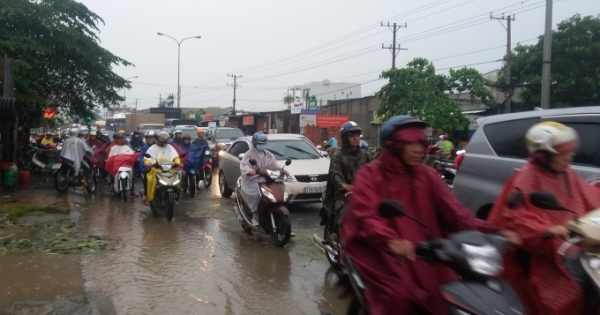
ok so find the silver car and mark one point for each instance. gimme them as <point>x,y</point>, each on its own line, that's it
<point>497,149</point>
<point>309,168</point>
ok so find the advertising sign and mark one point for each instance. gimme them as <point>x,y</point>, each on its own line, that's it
<point>212,124</point>
<point>297,108</point>
<point>312,104</point>
<point>248,120</point>
<point>306,120</point>
<point>325,121</point>
<point>311,112</point>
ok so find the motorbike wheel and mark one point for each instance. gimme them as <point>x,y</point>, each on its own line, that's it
<point>154,206</point>
<point>207,177</point>
<point>283,228</point>
<point>123,188</point>
<point>91,183</point>
<point>170,201</point>
<point>192,185</point>
<point>332,238</point>
<point>225,191</point>
<point>61,183</point>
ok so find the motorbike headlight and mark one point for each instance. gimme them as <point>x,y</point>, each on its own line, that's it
<point>594,263</point>
<point>485,260</point>
<point>207,152</point>
<point>162,182</point>
<point>286,194</point>
<point>220,145</point>
<point>166,167</point>
<point>274,174</point>
<point>221,152</point>
<point>176,182</point>
<point>268,194</point>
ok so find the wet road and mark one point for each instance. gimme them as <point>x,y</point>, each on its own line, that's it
<point>201,263</point>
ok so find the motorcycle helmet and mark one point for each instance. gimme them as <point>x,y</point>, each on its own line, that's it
<point>349,126</point>
<point>74,131</point>
<point>150,134</point>
<point>259,141</point>
<point>163,139</point>
<point>118,136</point>
<point>187,137</point>
<point>92,133</point>
<point>200,131</point>
<point>397,122</point>
<point>548,136</point>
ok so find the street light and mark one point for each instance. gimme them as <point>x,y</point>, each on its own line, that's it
<point>178,61</point>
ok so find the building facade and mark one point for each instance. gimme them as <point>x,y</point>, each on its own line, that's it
<point>325,91</point>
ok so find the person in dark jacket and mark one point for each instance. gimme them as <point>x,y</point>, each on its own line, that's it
<point>136,141</point>
<point>200,141</point>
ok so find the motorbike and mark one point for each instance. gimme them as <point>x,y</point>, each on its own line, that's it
<point>45,160</point>
<point>330,242</point>
<point>474,256</point>
<point>120,167</point>
<point>167,187</point>
<point>190,170</point>
<point>273,215</point>
<point>584,264</point>
<point>207,168</point>
<point>65,176</point>
<point>446,170</point>
<point>137,172</point>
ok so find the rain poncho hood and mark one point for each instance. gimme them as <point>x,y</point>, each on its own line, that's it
<point>249,189</point>
<point>74,150</point>
<point>120,149</point>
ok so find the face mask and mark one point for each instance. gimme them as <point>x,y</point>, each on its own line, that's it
<point>261,147</point>
<point>170,141</point>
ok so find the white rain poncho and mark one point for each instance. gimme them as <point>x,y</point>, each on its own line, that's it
<point>120,149</point>
<point>74,150</point>
<point>249,189</point>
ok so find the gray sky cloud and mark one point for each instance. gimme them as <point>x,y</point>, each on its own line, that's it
<point>280,43</point>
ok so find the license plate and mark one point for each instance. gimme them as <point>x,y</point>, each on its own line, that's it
<point>314,189</point>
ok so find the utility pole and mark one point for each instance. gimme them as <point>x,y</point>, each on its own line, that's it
<point>394,29</point>
<point>509,89</point>
<point>136,99</point>
<point>547,61</point>
<point>235,86</point>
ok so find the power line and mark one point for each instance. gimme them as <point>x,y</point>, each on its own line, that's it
<point>394,29</point>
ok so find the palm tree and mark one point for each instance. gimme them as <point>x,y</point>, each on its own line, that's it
<point>287,100</point>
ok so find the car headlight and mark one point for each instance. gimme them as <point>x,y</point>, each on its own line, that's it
<point>274,174</point>
<point>291,178</point>
<point>268,194</point>
<point>485,260</point>
<point>286,194</point>
<point>162,182</point>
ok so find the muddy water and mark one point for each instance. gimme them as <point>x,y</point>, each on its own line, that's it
<point>202,262</point>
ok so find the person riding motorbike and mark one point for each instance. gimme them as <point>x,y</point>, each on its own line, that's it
<point>186,143</point>
<point>332,142</point>
<point>77,151</point>
<point>92,139</point>
<point>364,145</point>
<point>384,249</point>
<point>537,271</point>
<point>150,138</point>
<point>162,151</point>
<point>119,146</point>
<point>200,141</point>
<point>47,140</point>
<point>342,168</point>
<point>250,183</point>
<point>178,137</point>
<point>136,140</point>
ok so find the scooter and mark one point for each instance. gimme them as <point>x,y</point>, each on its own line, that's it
<point>476,258</point>
<point>273,216</point>
<point>446,171</point>
<point>45,160</point>
<point>207,168</point>
<point>65,176</point>
<point>167,188</point>
<point>330,242</point>
<point>584,264</point>
<point>190,173</point>
<point>123,181</point>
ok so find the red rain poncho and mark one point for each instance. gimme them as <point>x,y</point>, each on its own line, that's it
<point>126,160</point>
<point>548,288</point>
<point>395,286</point>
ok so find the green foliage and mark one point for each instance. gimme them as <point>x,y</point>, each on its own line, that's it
<point>575,65</point>
<point>287,100</point>
<point>56,55</point>
<point>16,210</point>
<point>418,91</point>
<point>167,102</point>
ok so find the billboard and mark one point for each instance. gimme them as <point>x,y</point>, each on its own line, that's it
<point>306,120</point>
<point>297,108</point>
<point>325,121</point>
<point>248,120</point>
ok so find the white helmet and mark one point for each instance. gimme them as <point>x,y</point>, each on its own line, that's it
<point>74,131</point>
<point>548,135</point>
<point>178,131</point>
<point>150,133</point>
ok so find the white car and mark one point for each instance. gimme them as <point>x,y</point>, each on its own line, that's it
<point>309,168</point>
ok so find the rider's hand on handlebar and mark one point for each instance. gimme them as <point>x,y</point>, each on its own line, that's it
<point>559,232</point>
<point>348,188</point>
<point>251,173</point>
<point>286,173</point>
<point>402,248</point>
<point>513,237</point>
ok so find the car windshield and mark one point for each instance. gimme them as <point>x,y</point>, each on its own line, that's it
<point>292,149</point>
<point>229,134</point>
<point>186,131</point>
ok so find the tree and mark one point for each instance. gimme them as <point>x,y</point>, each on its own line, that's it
<point>57,59</point>
<point>288,99</point>
<point>418,91</point>
<point>167,102</point>
<point>575,65</point>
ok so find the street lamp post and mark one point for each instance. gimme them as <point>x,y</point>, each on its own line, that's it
<point>178,62</point>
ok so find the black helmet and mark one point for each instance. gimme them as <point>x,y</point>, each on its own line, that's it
<point>349,126</point>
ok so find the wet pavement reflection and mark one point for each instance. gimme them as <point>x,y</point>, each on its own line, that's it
<point>202,262</point>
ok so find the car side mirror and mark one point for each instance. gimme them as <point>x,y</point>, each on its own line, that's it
<point>288,162</point>
<point>241,156</point>
<point>252,162</point>
<point>148,156</point>
<point>390,209</point>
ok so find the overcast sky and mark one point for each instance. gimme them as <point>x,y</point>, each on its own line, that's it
<point>275,44</point>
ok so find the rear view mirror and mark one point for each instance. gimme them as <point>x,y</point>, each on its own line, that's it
<point>515,200</point>
<point>288,162</point>
<point>390,209</point>
<point>545,200</point>
<point>252,162</point>
<point>148,156</point>
<point>241,156</point>
<point>319,147</point>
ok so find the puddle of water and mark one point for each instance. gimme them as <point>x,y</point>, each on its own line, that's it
<point>39,277</point>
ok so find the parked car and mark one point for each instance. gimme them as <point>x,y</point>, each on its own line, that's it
<point>220,138</point>
<point>497,149</point>
<point>309,168</point>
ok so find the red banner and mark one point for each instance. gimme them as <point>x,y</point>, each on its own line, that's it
<point>324,121</point>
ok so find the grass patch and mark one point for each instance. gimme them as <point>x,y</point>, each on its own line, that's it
<point>14,211</point>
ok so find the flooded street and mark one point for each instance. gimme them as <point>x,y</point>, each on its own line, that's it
<point>201,263</point>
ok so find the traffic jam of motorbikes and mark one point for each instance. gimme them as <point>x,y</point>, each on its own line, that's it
<point>408,244</point>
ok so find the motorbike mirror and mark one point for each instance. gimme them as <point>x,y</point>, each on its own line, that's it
<point>241,156</point>
<point>148,156</point>
<point>516,199</point>
<point>389,209</point>
<point>252,162</point>
<point>288,162</point>
<point>545,200</point>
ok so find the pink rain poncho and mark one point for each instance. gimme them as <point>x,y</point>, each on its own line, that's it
<point>249,189</point>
